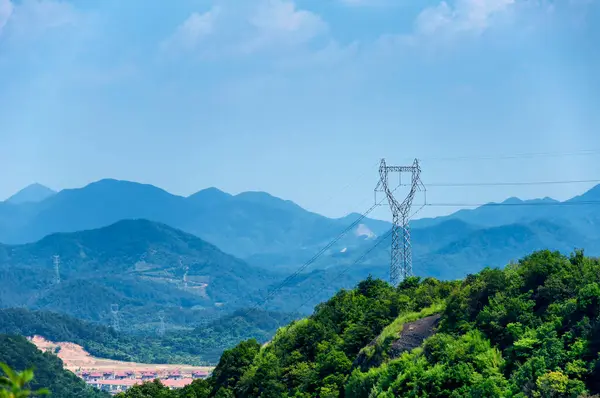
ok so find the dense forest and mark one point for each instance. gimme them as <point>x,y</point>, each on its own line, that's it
<point>529,330</point>
<point>203,345</point>
<point>21,355</point>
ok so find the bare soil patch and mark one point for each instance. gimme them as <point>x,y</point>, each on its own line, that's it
<point>76,359</point>
<point>413,334</point>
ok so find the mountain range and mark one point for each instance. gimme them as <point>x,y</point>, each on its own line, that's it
<point>252,225</point>
<point>129,243</point>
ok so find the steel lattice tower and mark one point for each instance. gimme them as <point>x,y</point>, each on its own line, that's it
<point>56,270</point>
<point>401,252</point>
<point>114,309</point>
<point>161,326</point>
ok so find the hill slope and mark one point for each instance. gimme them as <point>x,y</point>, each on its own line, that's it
<point>531,330</point>
<point>20,354</point>
<point>133,263</point>
<point>197,346</point>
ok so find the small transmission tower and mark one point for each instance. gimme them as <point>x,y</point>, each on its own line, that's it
<point>401,253</point>
<point>185,273</point>
<point>114,310</point>
<point>161,326</point>
<point>56,270</point>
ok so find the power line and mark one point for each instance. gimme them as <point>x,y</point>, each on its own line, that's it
<point>535,204</point>
<point>514,183</point>
<point>314,258</point>
<point>341,273</point>
<point>585,152</point>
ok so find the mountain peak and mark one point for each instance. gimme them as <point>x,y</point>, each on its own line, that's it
<point>512,200</point>
<point>31,194</point>
<point>209,196</point>
<point>264,198</point>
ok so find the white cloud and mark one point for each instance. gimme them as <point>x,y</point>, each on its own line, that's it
<point>253,27</point>
<point>193,30</point>
<point>6,10</point>
<point>465,16</point>
<point>32,18</point>
<point>280,22</point>
<point>368,3</point>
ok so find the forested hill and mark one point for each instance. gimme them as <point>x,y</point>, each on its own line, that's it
<point>20,354</point>
<point>199,346</point>
<point>529,330</point>
<point>137,264</point>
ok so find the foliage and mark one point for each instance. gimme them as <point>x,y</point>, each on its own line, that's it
<point>14,384</point>
<point>19,354</point>
<point>531,330</point>
<point>314,356</point>
<point>199,346</point>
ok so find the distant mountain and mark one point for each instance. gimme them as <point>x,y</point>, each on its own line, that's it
<point>250,225</point>
<point>31,194</point>
<point>132,263</point>
<point>277,235</point>
<point>441,253</point>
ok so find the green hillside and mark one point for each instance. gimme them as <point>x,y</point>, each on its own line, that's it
<point>20,354</point>
<point>136,264</point>
<point>201,345</point>
<point>530,330</point>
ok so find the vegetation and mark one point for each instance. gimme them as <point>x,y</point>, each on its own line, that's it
<point>14,384</point>
<point>22,356</point>
<point>199,346</point>
<point>530,330</point>
<point>314,356</point>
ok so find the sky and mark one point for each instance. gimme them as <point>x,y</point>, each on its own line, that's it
<point>302,98</point>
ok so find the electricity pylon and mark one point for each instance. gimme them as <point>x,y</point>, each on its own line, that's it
<point>401,252</point>
<point>161,326</point>
<point>114,310</point>
<point>185,273</point>
<point>56,270</point>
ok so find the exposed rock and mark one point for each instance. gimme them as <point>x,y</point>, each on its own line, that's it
<point>413,334</point>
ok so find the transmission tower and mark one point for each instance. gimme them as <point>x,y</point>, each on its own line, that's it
<point>114,310</point>
<point>56,270</point>
<point>161,327</point>
<point>401,252</point>
<point>185,273</point>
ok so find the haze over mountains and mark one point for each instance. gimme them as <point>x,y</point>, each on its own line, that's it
<point>126,243</point>
<point>244,225</point>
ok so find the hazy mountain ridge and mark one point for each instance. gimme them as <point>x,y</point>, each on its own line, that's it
<point>277,236</point>
<point>245,225</point>
<point>31,194</point>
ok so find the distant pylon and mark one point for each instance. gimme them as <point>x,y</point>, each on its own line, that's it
<point>185,273</point>
<point>161,326</point>
<point>401,252</point>
<point>114,310</point>
<point>56,279</point>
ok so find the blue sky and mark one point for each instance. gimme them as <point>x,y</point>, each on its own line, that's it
<point>300,98</point>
